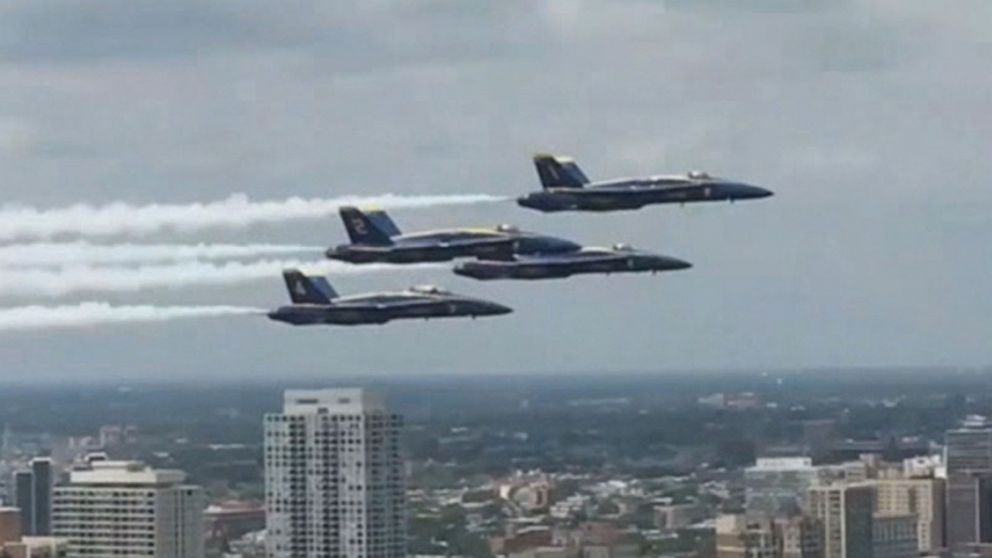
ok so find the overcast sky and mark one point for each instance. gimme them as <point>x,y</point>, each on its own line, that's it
<point>870,120</point>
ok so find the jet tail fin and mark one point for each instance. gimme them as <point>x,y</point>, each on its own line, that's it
<point>308,290</point>
<point>556,171</point>
<point>368,227</point>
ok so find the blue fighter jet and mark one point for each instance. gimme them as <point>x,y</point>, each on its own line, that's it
<point>566,188</point>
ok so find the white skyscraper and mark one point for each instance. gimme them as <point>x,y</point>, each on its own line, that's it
<point>333,477</point>
<point>124,508</point>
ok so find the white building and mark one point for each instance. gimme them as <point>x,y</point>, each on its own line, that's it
<point>124,508</point>
<point>333,477</point>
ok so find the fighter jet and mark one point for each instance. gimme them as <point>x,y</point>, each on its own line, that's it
<point>566,188</point>
<point>316,303</point>
<point>375,238</point>
<point>618,259</point>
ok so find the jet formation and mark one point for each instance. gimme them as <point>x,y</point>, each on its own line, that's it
<point>498,252</point>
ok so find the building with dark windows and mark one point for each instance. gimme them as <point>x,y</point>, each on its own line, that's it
<point>968,457</point>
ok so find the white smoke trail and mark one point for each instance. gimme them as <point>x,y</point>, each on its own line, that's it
<point>119,218</point>
<point>87,314</point>
<point>86,253</point>
<point>72,279</point>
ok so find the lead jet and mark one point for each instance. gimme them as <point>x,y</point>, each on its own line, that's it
<point>316,303</point>
<point>618,259</point>
<point>376,238</point>
<point>566,188</point>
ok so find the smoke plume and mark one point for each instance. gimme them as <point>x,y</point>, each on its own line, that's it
<point>59,254</point>
<point>88,314</point>
<point>42,282</point>
<point>120,218</point>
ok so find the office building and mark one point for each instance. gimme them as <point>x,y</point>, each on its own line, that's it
<point>41,477</point>
<point>124,508</point>
<point>921,497</point>
<point>33,495</point>
<point>333,477</point>
<point>968,458</point>
<point>24,499</point>
<point>894,536</point>
<point>740,536</point>
<point>845,512</point>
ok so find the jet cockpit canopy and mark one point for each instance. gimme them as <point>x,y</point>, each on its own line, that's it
<point>507,228</point>
<point>429,289</point>
<point>623,247</point>
<point>698,175</point>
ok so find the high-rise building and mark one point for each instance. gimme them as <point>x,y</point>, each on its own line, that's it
<point>845,511</point>
<point>923,498</point>
<point>41,477</point>
<point>24,499</point>
<point>124,508</point>
<point>776,486</point>
<point>968,458</point>
<point>740,536</point>
<point>894,536</point>
<point>33,495</point>
<point>333,477</point>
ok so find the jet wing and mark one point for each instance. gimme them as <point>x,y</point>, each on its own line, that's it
<point>565,260</point>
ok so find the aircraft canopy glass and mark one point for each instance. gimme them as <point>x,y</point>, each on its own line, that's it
<point>621,247</point>
<point>698,175</point>
<point>429,289</point>
<point>507,228</point>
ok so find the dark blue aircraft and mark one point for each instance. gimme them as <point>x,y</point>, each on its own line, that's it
<point>566,188</point>
<point>618,259</point>
<point>375,238</point>
<point>316,303</point>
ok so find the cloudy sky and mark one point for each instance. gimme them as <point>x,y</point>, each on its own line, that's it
<point>869,119</point>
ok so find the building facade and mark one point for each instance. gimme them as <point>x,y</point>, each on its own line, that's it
<point>968,457</point>
<point>740,536</point>
<point>334,477</point>
<point>845,510</point>
<point>124,508</point>
<point>894,536</point>
<point>33,495</point>
<point>924,498</point>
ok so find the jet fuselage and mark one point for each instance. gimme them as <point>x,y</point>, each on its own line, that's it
<point>634,193</point>
<point>557,266</point>
<point>384,307</point>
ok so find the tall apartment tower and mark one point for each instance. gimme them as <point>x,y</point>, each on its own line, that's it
<point>334,477</point>
<point>33,495</point>
<point>845,510</point>
<point>124,508</point>
<point>968,456</point>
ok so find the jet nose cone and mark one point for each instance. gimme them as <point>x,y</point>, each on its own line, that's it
<point>667,263</point>
<point>495,309</point>
<point>676,264</point>
<point>755,192</point>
